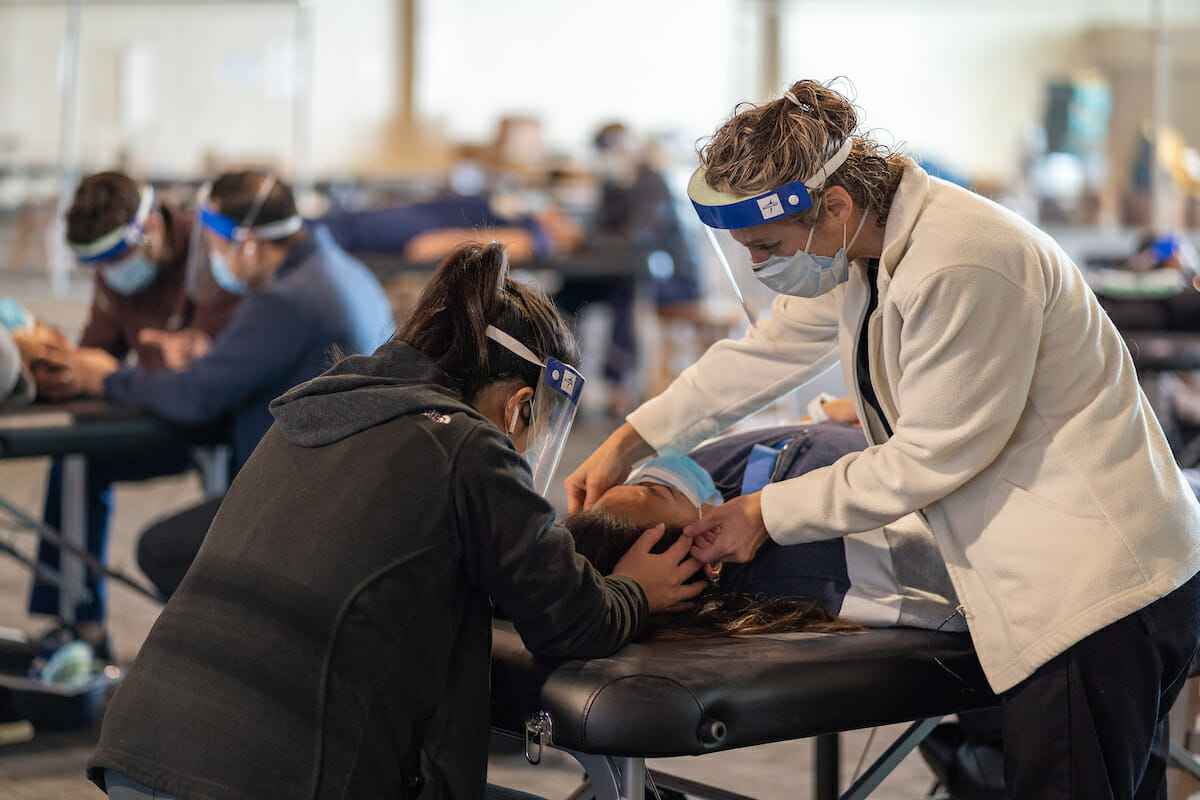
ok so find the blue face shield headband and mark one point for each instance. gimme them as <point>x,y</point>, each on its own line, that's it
<point>230,230</point>
<point>117,243</point>
<point>555,401</point>
<point>683,475</point>
<point>727,211</point>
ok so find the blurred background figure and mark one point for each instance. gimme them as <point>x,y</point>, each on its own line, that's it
<point>303,300</point>
<point>635,228</point>
<point>142,313</point>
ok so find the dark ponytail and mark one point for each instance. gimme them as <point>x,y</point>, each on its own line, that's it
<point>469,291</point>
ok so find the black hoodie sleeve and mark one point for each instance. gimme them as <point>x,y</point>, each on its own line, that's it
<point>528,565</point>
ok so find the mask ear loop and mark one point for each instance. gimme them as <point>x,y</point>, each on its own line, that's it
<point>512,425</point>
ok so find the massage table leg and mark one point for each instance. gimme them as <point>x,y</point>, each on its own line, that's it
<point>891,758</point>
<point>827,759</point>
<point>1182,758</point>
<point>624,778</point>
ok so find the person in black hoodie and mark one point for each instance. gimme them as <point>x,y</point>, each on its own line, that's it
<point>332,636</point>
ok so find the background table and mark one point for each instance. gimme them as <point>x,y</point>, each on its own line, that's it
<point>78,429</point>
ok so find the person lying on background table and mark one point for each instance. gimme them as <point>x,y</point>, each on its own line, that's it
<point>301,296</point>
<point>332,638</point>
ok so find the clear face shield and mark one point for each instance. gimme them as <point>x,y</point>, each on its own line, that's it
<point>555,401</point>
<point>204,258</point>
<point>723,212</point>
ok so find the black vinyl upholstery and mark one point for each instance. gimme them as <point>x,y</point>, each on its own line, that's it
<point>673,698</point>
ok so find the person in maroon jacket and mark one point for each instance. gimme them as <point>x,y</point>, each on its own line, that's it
<point>146,309</point>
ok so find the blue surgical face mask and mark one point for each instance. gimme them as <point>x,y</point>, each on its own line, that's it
<point>129,276</point>
<point>806,275</point>
<point>223,275</point>
<point>682,474</point>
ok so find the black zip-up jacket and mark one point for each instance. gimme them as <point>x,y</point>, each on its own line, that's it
<point>332,638</point>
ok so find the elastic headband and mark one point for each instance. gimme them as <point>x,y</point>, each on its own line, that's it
<point>513,345</point>
<point>114,243</point>
<point>228,228</point>
<point>725,210</point>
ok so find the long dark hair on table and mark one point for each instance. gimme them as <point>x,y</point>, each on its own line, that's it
<point>602,538</point>
<point>470,290</point>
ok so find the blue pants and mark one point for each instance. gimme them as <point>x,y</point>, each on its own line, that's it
<point>102,472</point>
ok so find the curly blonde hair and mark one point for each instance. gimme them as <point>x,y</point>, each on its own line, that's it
<point>762,147</point>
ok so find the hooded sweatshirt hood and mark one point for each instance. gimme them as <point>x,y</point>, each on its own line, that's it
<point>360,392</point>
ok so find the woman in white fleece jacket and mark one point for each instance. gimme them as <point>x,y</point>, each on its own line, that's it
<point>999,402</point>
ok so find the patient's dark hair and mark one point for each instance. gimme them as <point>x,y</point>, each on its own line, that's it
<point>602,538</point>
<point>469,291</point>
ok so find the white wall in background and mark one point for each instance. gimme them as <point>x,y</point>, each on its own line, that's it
<point>953,79</point>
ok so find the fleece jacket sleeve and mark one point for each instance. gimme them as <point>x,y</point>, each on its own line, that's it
<point>528,565</point>
<point>969,346</point>
<point>736,378</point>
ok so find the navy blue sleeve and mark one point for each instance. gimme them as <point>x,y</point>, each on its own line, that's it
<point>260,347</point>
<point>389,230</point>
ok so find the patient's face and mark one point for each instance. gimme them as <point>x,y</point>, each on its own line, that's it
<point>648,504</point>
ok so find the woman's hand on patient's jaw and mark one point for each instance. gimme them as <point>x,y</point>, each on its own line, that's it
<point>730,532</point>
<point>607,466</point>
<point>661,575</point>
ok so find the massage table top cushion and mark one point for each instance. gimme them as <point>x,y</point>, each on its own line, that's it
<point>694,696</point>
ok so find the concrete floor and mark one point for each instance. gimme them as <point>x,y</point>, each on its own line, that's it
<point>50,766</point>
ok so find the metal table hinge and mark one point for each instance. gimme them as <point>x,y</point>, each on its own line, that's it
<point>540,729</point>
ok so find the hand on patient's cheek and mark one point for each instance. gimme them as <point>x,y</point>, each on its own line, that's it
<point>730,532</point>
<point>661,575</point>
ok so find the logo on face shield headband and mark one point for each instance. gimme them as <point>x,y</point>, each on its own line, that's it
<point>566,382</point>
<point>770,206</point>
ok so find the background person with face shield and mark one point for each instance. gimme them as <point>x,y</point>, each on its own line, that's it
<point>145,305</point>
<point>145,311</point>
<point>998,401</point>
<point>332,637</point>
<point>302,297</point>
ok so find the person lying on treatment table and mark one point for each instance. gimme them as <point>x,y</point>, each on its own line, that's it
<point>886,577</point>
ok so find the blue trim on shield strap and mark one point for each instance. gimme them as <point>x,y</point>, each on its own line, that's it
<point>221,225</point>
<point>787,199</point>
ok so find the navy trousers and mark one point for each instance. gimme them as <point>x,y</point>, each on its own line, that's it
<point>1091,724</point>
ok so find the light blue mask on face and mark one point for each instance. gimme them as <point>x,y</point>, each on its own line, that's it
<point>806,275</point>
<point>683,475</point>
<point>13,315</point>
<point>129,276</point>
<point>223,275</point>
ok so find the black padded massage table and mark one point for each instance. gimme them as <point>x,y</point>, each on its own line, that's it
<point>697,696</point>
